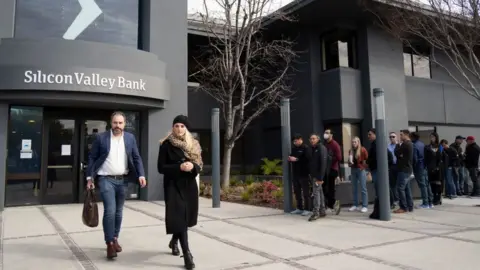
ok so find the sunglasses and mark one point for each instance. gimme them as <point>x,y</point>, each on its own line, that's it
<point>393,137</point>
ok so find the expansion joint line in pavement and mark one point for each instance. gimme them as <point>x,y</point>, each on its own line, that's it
<point>291,261</point>
<point>446,235</point>
<point>76,251</point>
<point>1,240</point>
<point>272,258</point>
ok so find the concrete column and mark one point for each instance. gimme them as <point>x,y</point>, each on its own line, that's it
<point>7,18</point>
<point>3,151</point>
<point>163,31</point>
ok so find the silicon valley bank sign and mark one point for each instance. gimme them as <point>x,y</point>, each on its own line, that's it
<point>83,79</point>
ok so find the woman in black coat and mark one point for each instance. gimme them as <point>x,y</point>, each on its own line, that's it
<point>435,169</point>
<point>180,161</point>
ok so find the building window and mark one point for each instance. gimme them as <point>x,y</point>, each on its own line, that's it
<point>339,50</point>
<point>416,65</point>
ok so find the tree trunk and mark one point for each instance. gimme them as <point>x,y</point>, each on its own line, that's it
<point>227,159</point>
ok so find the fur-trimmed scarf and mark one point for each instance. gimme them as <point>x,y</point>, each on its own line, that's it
<point>193,153</point>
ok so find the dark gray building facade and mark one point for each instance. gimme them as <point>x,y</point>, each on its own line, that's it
<point>64,69</point>
<point>343,56</point>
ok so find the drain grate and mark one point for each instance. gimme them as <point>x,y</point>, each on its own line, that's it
<point>77,252</point>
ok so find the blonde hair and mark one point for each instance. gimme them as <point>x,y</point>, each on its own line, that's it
<point>187,137</point>
<point>357,151</point>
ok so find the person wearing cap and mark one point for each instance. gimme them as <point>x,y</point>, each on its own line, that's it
<point>472,153</point>
<point>457,170</point>
<point>180,161</point>
<point>301,181</point>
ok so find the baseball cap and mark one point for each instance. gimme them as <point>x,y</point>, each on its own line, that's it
<point>470,138</point>
<point>460,137</point>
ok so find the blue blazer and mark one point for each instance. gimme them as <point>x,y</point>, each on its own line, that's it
<point>101,149</point>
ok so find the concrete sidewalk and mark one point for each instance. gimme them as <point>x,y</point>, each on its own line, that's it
<point>247,237</point>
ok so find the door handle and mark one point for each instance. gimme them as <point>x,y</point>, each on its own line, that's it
<point>83,166</point>
<point>59,167</point>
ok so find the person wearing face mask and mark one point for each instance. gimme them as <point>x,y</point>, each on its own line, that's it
<point>180,161</point>
<point>333,166</point>
<point>113,160</point>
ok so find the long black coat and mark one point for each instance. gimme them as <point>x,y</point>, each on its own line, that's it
<point>181,191</point>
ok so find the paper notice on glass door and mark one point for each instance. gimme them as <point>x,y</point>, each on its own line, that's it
<point>66,150</point>
<point>26,145</point>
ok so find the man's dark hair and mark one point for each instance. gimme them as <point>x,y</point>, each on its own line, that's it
<point>329,129</point>
<point>443,141</point>
<point>372,130</point>
<point>315,134</point>
<point>116,113</point>
<point>415,135</point>
<point>297,136</point>
<point>405,132</point>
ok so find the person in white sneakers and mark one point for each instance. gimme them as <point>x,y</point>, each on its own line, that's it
<point>358,156</point>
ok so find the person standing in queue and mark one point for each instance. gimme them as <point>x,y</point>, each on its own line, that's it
<point>113,159</point>
<point>180,161</point>
<point>301,181</point>
<point>318,166</point>
<point>332,172</point>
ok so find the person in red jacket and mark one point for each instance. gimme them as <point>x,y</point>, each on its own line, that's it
<point>334,159</point>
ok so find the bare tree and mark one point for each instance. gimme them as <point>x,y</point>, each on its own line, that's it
<point>243,70</point>
<point>450,28</point>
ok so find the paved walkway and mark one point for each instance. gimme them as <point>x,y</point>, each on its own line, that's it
<point>246,237</point>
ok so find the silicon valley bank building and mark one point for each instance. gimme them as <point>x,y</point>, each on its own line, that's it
<point>64,69</point>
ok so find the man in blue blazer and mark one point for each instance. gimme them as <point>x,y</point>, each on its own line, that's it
<point>113,160</point>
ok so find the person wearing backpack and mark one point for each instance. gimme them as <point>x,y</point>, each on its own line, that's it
<point>334,157</point>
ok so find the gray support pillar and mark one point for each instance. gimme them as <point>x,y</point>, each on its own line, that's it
<point>215,158</point>
<point>7,18</point>
<point>4,112</point>
<point>286,148</point>
<point>382,158</point>
<point>163,31</point>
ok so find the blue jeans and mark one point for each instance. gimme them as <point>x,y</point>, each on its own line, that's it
<point>404,191</point>
<point>450,189</point>
<point>458,179</point>
<point>422,184</point>
<point>113,196</point>
<point>429,189</point>
<point>359,177</point>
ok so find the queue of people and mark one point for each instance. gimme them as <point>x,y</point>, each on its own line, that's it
<point>438,168</point>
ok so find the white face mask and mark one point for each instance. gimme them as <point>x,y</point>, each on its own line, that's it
<point>326,136</point>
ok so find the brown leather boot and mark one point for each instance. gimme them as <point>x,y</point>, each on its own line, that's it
<point>111,252</point>
<point>117,246</point>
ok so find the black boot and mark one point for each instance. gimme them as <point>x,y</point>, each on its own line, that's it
<point>173,245</point>
<point>376,211</point>
<point>188,259</point>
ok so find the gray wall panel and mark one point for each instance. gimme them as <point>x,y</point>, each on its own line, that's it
<point>385,56</point>
<point>7,18</point>
<point>351,88</point>
<point>330,95</point>
<point>164,33</point>
<point>425,100</point>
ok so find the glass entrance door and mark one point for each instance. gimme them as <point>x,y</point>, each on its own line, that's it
<point>60,179</point>
<point>90,128</point>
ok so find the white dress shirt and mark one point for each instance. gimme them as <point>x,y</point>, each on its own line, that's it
<point>116,162</point>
